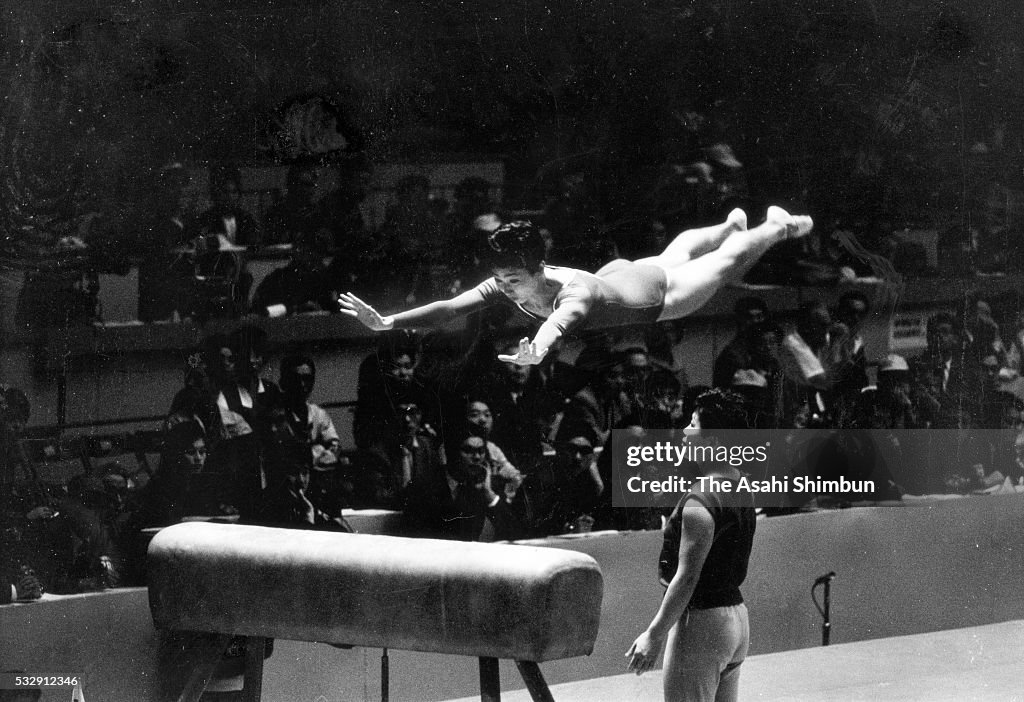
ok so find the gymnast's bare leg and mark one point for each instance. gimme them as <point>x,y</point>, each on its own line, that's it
<point>694,281</point>
<point>694,243</point>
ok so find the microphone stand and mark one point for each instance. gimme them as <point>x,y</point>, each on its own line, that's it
<point>826,611</point>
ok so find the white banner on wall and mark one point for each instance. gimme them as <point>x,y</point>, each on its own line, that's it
<point>908,332</point>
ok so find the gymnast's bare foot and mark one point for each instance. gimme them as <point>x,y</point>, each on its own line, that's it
<point>796,225</point>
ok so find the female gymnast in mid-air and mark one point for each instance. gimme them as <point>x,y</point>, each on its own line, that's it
<point>671,285</point>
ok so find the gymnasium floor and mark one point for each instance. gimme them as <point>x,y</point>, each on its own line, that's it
<point>981,663</point>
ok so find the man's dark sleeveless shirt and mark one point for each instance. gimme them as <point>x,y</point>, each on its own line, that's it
<point>725,567</point>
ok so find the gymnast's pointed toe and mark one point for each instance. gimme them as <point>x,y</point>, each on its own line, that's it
<point>796,226</point>
<point>737,219</point>
<point>804,224</point>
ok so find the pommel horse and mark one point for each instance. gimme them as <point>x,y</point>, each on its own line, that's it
<point>492,601</point>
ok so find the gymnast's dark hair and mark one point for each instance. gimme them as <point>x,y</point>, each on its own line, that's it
<point>721,409</point>
<point>514,245</point>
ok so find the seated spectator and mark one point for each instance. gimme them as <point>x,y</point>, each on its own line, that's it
<point>851,311</point>
<point>183,484</point>
<point>988,400</point>
<point>226,216</point>
<point>571,216</point>
<point>341,210</point>
<point>1015,347</point>
<point>15,410</point>
<point>388,379</point>
<point>244,402</point>
<point>954,365</point>
<point>461,502</point>
<point>602,403</point>
<point>665,410</point>
<point>894,392</point>
<point>301,286</point>
<point>472,212</point>
<point>35,535</point>
<point>815,358</point>
<point>636,369</point>
<point>103,525</point>
<point>195,401</point>
<point>394,461</point>
<point>512,393</point>
<point>926,393</point>
<point>505,477</point>
<point>1017,468</point>
<point>297,215</point>
<point>1011,411</point>
<point>19,585</point>
<point>563,491</point>
<point>224,231</point>
<point>291,500</point>
<point>982,332</point>
<point>165,270</point>
<point>744,351</point>
<point>308,420</point>
<point>415,253</point>
<point>358,252</point>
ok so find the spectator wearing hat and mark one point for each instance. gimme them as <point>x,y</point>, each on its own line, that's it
<point>894,392</point>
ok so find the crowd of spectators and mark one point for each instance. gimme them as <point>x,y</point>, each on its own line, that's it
<point>196,264</point>
<point>466,447</point>
<point>462,445</point>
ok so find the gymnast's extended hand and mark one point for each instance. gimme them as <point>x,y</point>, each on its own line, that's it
<point>527,355</point>
<point>354,307</point>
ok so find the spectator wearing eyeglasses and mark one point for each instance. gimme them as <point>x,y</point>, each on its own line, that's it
<point>460,503</point>
<point>563,492</point>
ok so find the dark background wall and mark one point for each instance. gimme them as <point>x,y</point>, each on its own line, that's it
<point>904,110</point>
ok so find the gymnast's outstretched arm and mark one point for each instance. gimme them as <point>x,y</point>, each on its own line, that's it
<point>571,312</point>
<point>433,314</point>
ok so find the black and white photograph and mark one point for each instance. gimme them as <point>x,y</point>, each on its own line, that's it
<point>444,350</point>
